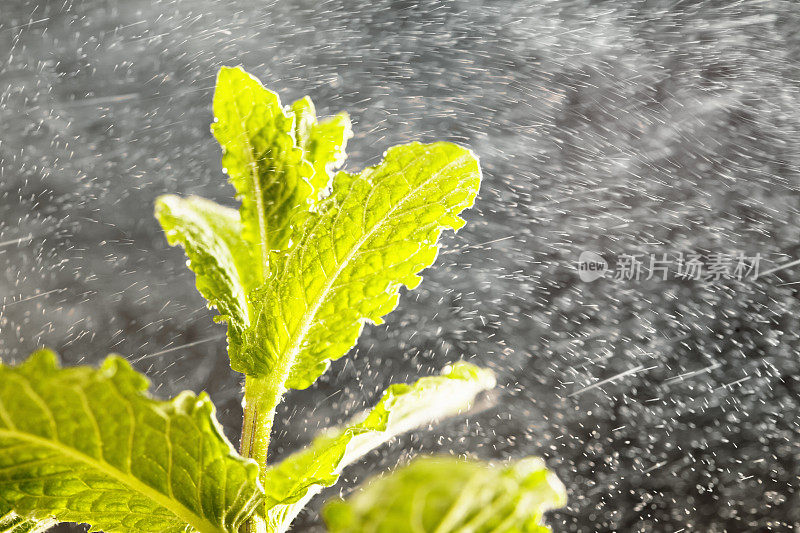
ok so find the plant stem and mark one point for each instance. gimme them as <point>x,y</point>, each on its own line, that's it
<point>261,397</point>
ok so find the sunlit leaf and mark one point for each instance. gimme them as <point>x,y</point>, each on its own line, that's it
<point>450,495</point>
<point>88,445</point>
<point>261,159</point>
<point>293,482</point>
<point>11,522</point>
<point>374,233</point>
<point>323,142</point>
<point>221,259</point>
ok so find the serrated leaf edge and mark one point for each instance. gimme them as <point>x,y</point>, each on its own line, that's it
<point>295,344</point>
<point>109,365</point>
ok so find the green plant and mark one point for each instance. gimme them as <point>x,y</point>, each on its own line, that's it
<point>294,273</point>
<point>449,494</point>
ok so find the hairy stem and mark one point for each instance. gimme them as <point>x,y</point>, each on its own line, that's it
<point>261,397</point>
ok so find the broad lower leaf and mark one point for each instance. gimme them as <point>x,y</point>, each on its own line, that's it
<point>292,483</point>
<point>323,142</point>
<point>88,445</point>
<point>261,159</point>
<point>450,495</point>
<point>374,233</point>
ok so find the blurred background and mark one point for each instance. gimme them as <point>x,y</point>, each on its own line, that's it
<point>640,127</point>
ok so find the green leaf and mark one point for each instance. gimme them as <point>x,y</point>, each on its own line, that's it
<point>261,160</point>
<point>374,233</point>
<point>450,495</point>
<point>11,522</point>
<point>88,445</point>
<point>292,483</point>
<point>222,261</point>
<point>323,142</point>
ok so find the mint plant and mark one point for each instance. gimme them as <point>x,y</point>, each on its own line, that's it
<point>295,273</point>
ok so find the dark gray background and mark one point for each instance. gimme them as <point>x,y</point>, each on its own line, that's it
<point>619,127</point>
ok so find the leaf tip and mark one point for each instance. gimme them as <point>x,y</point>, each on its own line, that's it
<point>119,370</point>
<point>226,72</point>
<point>163,205</point>
<point>558,489</point>
<point>43,361</point>
<point>470,372</point>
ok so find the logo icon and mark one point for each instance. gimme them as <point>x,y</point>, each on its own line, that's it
<point>591,266</point>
